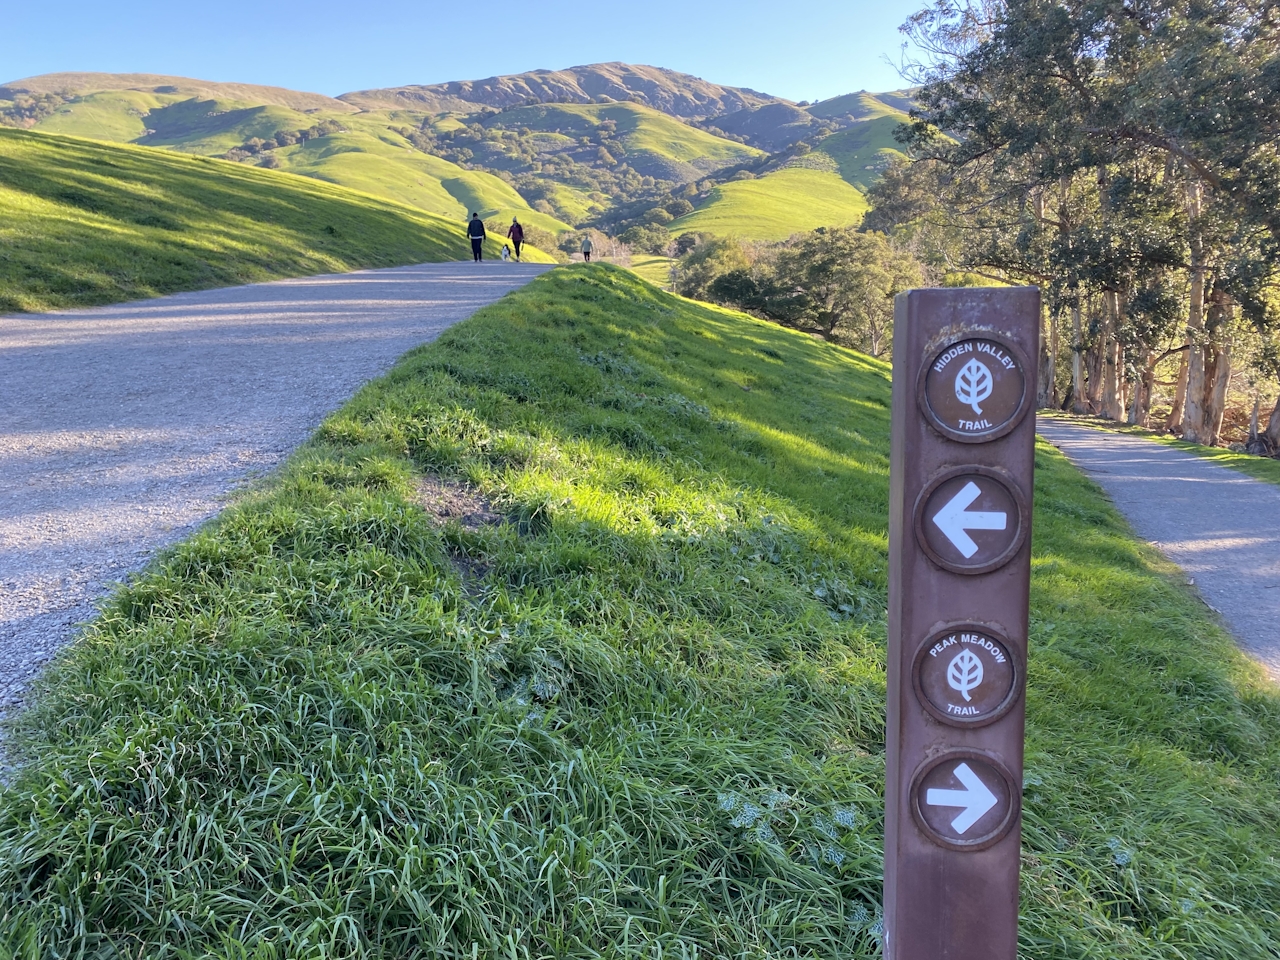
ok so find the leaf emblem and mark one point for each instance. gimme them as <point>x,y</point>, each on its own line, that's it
<point>974,384</point>
<point>964,673</point>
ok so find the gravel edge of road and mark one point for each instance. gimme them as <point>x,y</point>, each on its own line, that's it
<point>70,384</point>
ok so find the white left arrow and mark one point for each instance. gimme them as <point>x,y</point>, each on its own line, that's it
<point>977,799</point>
<point>953,519</point>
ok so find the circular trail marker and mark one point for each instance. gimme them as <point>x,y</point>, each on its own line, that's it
<point>966,675</point>
<point>971,519</point>
<point>964,799</point>
<point>974,389</point>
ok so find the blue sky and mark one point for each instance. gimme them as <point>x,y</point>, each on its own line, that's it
<point>800,50</point>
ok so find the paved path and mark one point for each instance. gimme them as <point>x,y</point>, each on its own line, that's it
<point>1221,527</point>
<point>122,428</point>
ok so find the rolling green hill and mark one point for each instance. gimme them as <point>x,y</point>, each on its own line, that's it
<point>862,105</point>
<point>862,150</point>
<point>632,706</point>
<point>75,85</point>
<point>652,143</point>
<point>771,126</point>
<point>607,146</point>
<point>212,127</point>
<point>368,154</point>
<point>85,223</point>
<point>776,205</point>
<point>113,115</point>
<point>364,162</point>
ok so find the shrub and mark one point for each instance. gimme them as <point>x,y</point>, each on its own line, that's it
<point>647,237</point>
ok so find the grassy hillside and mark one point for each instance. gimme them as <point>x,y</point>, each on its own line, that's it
<point>864,149</point>
<point>772,126</point>
<point>640,129</point>
<point>776,205</point>
<point>397,172</point>
<point>212,127</point>
<point>655,269</point>
<point>862,105</point>
<point>75,85</point>
<point>603,164</point>
<point>369,156</point>
<point>630,704</point>
<point>85,223</point>
<point>113,115</point>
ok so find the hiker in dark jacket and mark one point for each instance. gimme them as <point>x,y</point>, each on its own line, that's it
<point>516,235</point>
<point>475,230</point>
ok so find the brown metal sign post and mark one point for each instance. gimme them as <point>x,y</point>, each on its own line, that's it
<point>959,581</point>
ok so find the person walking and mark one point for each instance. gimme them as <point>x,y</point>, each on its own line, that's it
<point>586,249</point>
<point>475,230</point>
<point>516,236</point>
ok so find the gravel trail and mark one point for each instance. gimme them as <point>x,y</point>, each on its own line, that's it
<point>1218,525</point>
<point>122,428</point>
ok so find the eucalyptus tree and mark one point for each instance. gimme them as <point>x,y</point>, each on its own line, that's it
<point>1154,124</point>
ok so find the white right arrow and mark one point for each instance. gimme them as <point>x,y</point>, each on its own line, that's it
<point>976,800</point>
<point>953,521</point>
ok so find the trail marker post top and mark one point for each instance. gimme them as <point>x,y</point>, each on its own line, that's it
<point>959,581</point>
<point>975,388</point>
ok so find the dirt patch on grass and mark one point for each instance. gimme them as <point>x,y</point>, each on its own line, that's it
<point>446,500</point>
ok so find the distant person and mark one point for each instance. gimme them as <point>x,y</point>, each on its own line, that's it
<point>516,235</point>
<point>586,249</point>
<point>506,252</point>
<point>475,230</point>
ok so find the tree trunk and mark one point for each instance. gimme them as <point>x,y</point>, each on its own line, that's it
<point>1112,360</point>
<point>1207,395</point>
<point>1217,400</point>
<point>1054,337</point>
<point>1272,434</point>
<point>1093,359</point>
<point>1047,358</point>
<point>1267,443</point>
<point>1079,404</point>
<point>1174,423</point>
<point>1093,375</point>
<point>1140,407</point>
<point>1207,398</point>
<point>1195,425</point>
<point>1044,381</point>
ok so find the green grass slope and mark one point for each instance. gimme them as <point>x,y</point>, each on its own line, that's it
<point>212,127</point>
<point>86,223</point>
<point>646,133</point>
<point>776,205</point>
<point>864,149</point>
<point>76,85</point>
<point>113,115</point>
<point>640,715</point>
<point>862,106</point>
<point>364,162</point>
<point>370,157</point>
<point>655,269</point>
